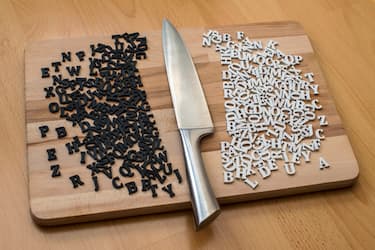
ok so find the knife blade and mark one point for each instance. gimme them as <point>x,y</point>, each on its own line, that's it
<point>193,121</point>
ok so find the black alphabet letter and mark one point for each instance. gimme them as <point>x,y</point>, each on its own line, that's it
<point>45,72</point>
<point>132,187</point>
<point>177,173</point>
<point>73,71</point>
<point>43,130</point>
<point>51,154</point>
<point>53,107</point>
<point>61,132</point>
<point>168,189</point>
<point>81,55</point>
<point>56,66</point>
<point>76,181</point>
<point>55,170</point>
<point>116,183</point>
<point>83,157</point>
<point>96,184</point>
<point>49,92</point>
<point>66,56</point>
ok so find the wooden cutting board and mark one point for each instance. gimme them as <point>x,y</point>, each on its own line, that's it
<point>54,201</point>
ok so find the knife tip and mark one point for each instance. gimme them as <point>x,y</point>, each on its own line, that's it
<point>166,23</point>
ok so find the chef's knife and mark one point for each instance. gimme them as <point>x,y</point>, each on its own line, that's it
<point>193,121</point>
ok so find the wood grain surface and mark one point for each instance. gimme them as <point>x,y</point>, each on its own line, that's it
<point>342,35</point>
<point>54,201</point>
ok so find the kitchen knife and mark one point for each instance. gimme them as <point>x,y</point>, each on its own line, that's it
<point>193,121</point>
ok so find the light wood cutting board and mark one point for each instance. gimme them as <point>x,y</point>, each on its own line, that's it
<point>54,201</point>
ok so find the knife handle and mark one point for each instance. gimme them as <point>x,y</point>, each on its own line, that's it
<point>204,203</point>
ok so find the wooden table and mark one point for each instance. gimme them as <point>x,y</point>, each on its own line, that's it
<point>343,37</point>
